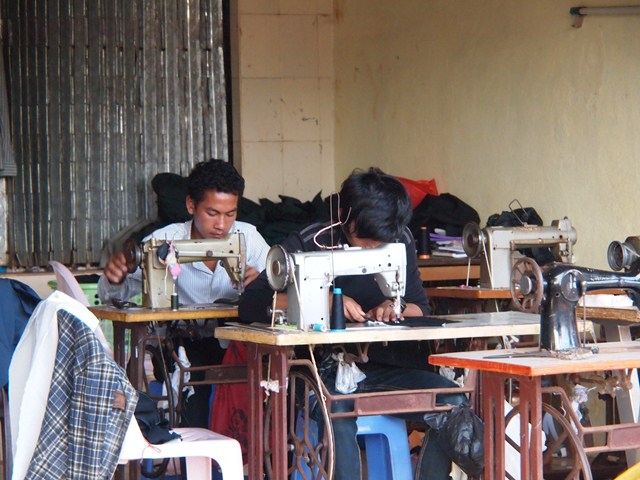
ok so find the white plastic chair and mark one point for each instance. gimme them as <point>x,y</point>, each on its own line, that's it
<point>67,283</point>
<point>198,445</point>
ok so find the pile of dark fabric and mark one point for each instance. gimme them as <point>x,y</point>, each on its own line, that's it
<point>444,211</point>
<point>276,220</point>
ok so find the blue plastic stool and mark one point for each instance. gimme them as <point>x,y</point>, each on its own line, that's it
<point>387,447</point>
<point>386,444</point>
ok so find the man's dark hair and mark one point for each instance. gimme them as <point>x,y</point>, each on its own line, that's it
<point>216,175</point>
<point>376,204</point>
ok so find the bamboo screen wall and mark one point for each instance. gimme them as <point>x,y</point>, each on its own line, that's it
<point>104,94</point>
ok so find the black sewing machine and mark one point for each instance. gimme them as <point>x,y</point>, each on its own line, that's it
<point>555,291</point>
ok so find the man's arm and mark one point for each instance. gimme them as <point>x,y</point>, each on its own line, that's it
<point>257,250</point>
<point>258,296</point>
<point>414,291</point>
<point>417,303</point>
<point>129,285</point>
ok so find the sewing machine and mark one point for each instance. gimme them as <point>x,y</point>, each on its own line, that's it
<point>623,255</point>
<point>308,276</point>
<point>153,256</point>
<point>498,247</point>
<point>557,289</point>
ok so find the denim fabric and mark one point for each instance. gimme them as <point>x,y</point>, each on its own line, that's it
<point>434,462</point>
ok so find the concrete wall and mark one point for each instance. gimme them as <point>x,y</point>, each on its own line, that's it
<point>283,83</point>
<point>495,99</point>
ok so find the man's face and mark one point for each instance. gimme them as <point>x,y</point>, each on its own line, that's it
<point>357,241</point>
<point>214,215</point>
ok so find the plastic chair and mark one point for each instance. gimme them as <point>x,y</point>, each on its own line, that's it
<point>631,473</point>
<point>386,445</point>
<point>198,445</point>
<point>67,283</point>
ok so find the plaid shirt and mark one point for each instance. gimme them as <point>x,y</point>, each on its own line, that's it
<point>83,430</point>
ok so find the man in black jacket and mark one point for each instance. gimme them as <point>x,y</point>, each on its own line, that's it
<point>374,208</point>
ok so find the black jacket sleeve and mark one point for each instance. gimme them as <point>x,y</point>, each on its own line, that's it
<point>258,296</point>
<point>414,291</point>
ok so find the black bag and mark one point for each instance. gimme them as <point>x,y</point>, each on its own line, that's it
<point>516,218</point>
<point>153,425</point>
<point>461,435</point>
<point>444,211</point>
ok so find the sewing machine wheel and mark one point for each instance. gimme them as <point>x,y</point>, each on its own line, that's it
<point>278,267</point>
<point>132,254</point>
<point>472,240</point>
<point>526,285</point>
<point>310,443</point>
<point>564,457</point>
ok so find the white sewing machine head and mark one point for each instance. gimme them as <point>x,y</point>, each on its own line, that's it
<point>157,281</point>
<point>497,247</point>
<point>308,277</point>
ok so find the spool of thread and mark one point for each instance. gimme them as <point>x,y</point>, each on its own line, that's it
<point>174,301</point>
<point>319,327</point>
<point>424,248</point>
<point>337,322</point>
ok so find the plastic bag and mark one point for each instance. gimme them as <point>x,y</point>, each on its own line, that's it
<point>461,435</point>
<point>230,411</point>
<point>348,375</point>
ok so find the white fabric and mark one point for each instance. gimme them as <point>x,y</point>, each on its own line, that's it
<point>31,371</point>
<point>196,284</point>
<point>512,431</point>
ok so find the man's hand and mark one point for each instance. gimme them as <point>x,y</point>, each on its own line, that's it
<point>352,310</point>
<point>250,274</point>
<point>384,312</point>
<point>116,268</point>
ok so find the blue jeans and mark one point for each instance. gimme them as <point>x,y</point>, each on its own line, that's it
<point>434,462</point>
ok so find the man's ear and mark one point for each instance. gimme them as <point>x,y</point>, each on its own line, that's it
<point>191,205</point>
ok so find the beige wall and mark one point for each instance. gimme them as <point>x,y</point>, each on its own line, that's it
<point>495,99</point>
<point>283,75</point>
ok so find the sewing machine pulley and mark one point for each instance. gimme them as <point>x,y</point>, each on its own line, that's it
<point>279,268</point>
<point>133,254</point>
<point>526,285</point>
<point>473,239</point>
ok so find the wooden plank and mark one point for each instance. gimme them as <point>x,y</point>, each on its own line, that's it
<point>463,326</point>
<point>611,356</point>
<point>467,293</point>
<point>142,314</point>
<point>449,272</point>
<point>619,316</point>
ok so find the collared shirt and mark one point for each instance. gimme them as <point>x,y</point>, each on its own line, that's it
<point>196,283</point>
<point>61,395</point>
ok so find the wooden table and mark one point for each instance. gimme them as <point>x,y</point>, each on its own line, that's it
<point>276,344</point>
<point>498,366</point>
<point>137,319</point>
<point>441,269</point>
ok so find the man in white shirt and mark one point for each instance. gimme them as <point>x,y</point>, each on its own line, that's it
<point>214,189</point>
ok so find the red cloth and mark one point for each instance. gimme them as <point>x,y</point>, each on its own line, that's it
<point>230,411</point>
<point>418,189</point>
